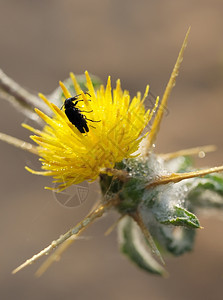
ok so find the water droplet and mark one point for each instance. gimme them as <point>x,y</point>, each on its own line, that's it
<point>201,154</point>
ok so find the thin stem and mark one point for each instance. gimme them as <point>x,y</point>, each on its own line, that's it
<point>18,143</point>
<point>20,97</point>
<point>158,118</point>
<point>187,152</point>
<point>73,232</point>
<point>176,177</point>
<point>56,255</point>
<point>113,226</point>
<point>138,219</point>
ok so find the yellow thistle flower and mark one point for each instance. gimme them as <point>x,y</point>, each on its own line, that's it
<point>143,197</point>
<point>70,156</point>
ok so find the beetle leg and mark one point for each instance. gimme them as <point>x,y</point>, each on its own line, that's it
<point>90,119</point>
<point>86,111</point>
<point>92,126</point>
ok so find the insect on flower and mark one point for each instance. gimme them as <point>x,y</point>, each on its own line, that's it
<point>75,115</point>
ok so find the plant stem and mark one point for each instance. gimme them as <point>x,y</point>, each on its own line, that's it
<point>73,232</point>
<point>138,219</point>
<point>158,118</point>
<point>176,177</point>
<point>187,152</point>
<point>18,143</point>
<point>20,97</point>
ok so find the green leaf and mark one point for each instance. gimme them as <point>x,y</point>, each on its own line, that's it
<point>180,217</point>
<point>174,239</point>
<point>206,191</point>
<point>133,244</point>
<point>177,240</point>
<point>167,204</point>
<point>131,195</point>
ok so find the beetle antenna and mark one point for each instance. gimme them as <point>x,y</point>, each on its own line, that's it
<point>86,93</point>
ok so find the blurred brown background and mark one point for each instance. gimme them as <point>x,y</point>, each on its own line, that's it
<point>137,41</point>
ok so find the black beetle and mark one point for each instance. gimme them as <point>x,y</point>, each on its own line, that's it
<point>75,115</point>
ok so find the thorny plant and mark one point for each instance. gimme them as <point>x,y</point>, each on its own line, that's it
<point>156,195</point>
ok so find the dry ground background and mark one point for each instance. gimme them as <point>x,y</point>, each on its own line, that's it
<point>137,41</point>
